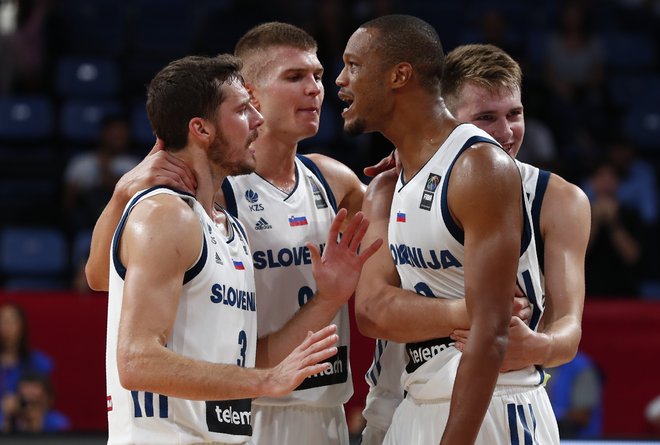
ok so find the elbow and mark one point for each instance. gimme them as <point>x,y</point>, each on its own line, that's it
<point>96,281</point>
<point>366,325</point>
<point>366,314</point>
<point>131,375</point>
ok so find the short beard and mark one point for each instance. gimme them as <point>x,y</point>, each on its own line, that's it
<point>231,169</point>
<point>356,127</point>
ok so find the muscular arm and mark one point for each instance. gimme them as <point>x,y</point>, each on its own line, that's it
<point>485,198</point>
<point>382,308</point>
<point>164,227</point>
<point>158,168</point>
<point>565,217</point>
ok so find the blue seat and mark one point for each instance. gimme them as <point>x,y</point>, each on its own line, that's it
<point>33,252</point>
<point>25,118</point>
<point>87,76</point>
<point>80,119</point>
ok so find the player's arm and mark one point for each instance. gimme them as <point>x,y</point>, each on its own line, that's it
<point>346,186</point>
<point>485,199</point>
<point>165,228</point>
<point>158,168</point>
<point>336,273</point>
<point>565,217</point>
<point>382,308</point>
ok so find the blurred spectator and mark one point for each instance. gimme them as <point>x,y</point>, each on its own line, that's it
<point>17,358</point>
<point>90,177</point>
<point>574,71</point>
<point>652,414</point>
<point>22,46</point>
<point>637,190</point>
<point>30,411</point>
<point>615,246</point>
<point>575,392</point>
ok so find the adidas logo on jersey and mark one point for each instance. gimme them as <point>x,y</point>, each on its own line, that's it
<point>262,224</point>
<point>218,259</point>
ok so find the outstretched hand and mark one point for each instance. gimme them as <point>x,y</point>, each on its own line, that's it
<point>304,361</point>
<point>387,163</point>
<point>159,167</point>
<point>338,270</point>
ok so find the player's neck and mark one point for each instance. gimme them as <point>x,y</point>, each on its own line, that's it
<point>276,161</point>
<point>208,179</point>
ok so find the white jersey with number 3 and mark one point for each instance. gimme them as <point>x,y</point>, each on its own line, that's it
<point>216,321</point>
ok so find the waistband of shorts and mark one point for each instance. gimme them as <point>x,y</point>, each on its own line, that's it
<point>500,391</point>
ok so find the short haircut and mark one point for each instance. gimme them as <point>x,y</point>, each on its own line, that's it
<point>482,64</point>
<point>251,47</point>
<point>404,38</point>
<point>187,88</point>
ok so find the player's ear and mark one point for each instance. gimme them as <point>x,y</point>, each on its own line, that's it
<point>201,129</point>
<point>401,74</point>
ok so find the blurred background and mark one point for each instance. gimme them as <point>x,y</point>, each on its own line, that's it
<point>72,120</point>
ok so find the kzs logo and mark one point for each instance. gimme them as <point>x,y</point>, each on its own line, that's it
<point>252,197</point>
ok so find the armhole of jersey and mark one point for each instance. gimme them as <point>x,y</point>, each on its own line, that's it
<point>199,265</point>
<point>453,228</point>
<point>116,261</point>
<point>317,172</point>
<point>239,226</point>
<point>539,194</point>
<point>230,198</point>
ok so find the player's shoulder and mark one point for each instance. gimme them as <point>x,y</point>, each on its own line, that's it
<point>164,210</point>
<point>330,167</point>
<point>561,190</point>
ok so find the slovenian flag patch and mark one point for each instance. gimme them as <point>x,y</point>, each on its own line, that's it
<point>400,216</point>
<point>295,221</point>
<point>238,265</point>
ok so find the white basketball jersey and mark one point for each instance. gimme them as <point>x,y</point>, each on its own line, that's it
<point>535,183</point>
<point>279,224</point>
<point>216,321</point>
<point>427,248</point>
<point>384,376</point>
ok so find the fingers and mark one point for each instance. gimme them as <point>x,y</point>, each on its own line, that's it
<point>337,222</point>
<point>384,164</point>
<point>321,334</point>
<point>351,236</point>
<point>173,170</point>
<point>315,253</point>
<point>365,254</point>
<point>158,146</point>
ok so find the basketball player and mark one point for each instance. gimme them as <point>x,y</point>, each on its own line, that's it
<point>182,308</point>
<point>482,84</point>
<point>458,228</point>
<point>288,202</point>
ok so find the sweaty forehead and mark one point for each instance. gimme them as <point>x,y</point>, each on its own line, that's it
<point>361,43</point>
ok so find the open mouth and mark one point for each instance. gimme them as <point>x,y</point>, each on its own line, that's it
<point>346,99</point>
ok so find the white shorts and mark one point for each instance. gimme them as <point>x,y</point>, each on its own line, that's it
<point>516,416</point>
<point>299,425</point>
<point>372,436</point>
